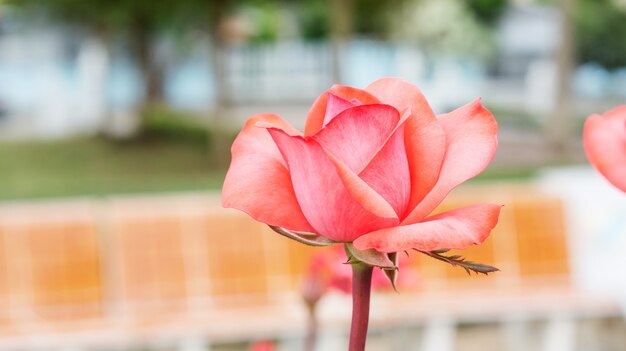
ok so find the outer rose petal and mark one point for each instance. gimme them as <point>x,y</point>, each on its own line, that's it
<point>258,181</point>
<point>471,142</point>
<point>457,229</point>
<point>604,138</point>
<point>315,117</point>
<point>325,201</point>
<point>425,140</point>
<point>401,95</point>
<point>356,134</point>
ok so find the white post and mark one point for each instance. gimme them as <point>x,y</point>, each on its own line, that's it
<point>559,334</point>
<point>439,335</point>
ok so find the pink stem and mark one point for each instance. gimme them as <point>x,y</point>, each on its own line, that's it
<point>361,288</point>
<point>310,339</point>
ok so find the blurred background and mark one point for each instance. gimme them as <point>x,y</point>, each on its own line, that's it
<point>116,118</point>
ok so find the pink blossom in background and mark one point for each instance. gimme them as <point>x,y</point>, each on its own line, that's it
<point>604,138</point>
<point>263,346</point>
<point>328,270</point>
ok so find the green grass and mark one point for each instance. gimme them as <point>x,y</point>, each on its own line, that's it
<point>172,153</point>
<point>507,174</point>
<point>97,166</point>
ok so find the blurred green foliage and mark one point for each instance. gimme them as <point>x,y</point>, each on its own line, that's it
<point>367,17</point>
<point>163,123</point>
<point>457,31</point>
<point>268,22</point>
<point>487,11</point>
<point>374,17</point>
<point>601,32</point>
<point>314,19</point>
<point>370,17</point>
<point>121,15</point>
<point>492,174</point>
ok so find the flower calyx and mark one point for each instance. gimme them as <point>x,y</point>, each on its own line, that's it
<point>306,238</point>
<point>387,262</point>
<point>369,257</point>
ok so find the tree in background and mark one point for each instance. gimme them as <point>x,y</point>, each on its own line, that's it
<point>373,18</point>
<point>487,11</point>
<point>450,26</point>
<point>314,19</point>
<point>339,20</point>
<point>601,32</point>
<point>136,23</point>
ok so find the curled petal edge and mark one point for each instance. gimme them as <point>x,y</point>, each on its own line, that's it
<point>456,229</point>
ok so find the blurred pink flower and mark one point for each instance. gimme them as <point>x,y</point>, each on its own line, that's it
<point>263,346</point>
<point>604,137</point>
<point>328,270</point>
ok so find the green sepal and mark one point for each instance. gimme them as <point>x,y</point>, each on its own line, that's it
<point>392,274</point>
<point>310,239</point>
<point>458,260</point>
<point>370,257</point>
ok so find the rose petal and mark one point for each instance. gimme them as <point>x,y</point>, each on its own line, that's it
<point>457,229</point>
<point>388,172</point>
<point>401,95</point>
<point>425,140</point>
<point>336,105</point>
<point>325,201</point>
<point>258,181</point>
<point>362,192</point>
<point>604,137</point>
<point>356,134</point>
<point>471,142</point>
<point>315,117</point>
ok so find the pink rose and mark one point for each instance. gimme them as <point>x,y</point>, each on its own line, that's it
<point>604,137</point>
<point>369,169</point>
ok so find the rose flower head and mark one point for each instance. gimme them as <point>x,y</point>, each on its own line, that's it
<point>368,170</point>
<point>604,138</point>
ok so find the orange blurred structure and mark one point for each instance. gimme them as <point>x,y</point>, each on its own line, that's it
<point>128,269</point>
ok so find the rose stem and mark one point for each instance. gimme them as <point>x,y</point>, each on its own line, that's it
<point>361,288</point>
<point>311,335</point>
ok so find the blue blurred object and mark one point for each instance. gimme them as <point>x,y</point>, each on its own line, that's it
<point>124,88</point>
<point>618,83</point>
<point>359,55</point>
<point>591,80</point>
<point>3,112</point>
<point>188,85</point>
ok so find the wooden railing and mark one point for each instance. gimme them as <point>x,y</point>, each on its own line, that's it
<point>148,261</point>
